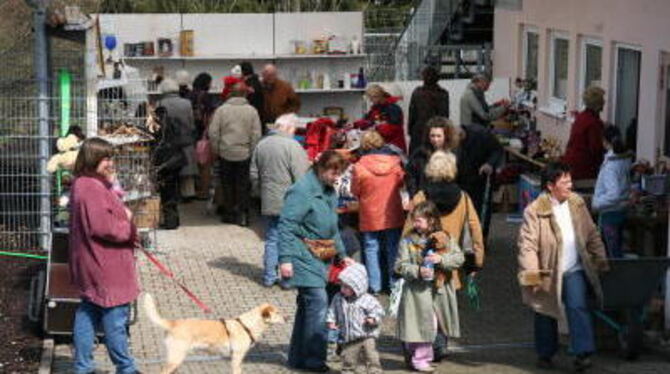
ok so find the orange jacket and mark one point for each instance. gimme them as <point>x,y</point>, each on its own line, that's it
<point>376,182</point>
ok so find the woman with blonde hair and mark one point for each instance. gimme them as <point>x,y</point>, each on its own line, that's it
<point>458,218</point>
<point>376,182</point>
<point>385,116</point>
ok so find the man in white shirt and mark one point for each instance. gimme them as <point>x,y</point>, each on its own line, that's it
<point>560,255</point>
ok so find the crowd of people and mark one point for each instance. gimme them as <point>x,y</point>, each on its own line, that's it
<point>421,218</point>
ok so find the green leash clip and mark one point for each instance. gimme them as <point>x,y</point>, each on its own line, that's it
<point>472,292</point>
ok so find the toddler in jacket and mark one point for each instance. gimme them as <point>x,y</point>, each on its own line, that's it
<point>357,315</point>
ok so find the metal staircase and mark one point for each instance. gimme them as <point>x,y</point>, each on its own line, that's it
<point>453,35</point>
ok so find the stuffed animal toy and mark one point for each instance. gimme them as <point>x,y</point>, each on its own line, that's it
<point>68,148</point>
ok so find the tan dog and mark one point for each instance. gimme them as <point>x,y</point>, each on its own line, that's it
<point>232,337</point>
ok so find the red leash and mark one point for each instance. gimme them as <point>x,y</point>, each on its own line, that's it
<point>163,269</point>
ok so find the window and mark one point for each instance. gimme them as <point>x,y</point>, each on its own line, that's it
<point>559,68</point>
<point>531,40</point>
<point>591,66</point>
<point>627,83</point>
<point>590,73</point>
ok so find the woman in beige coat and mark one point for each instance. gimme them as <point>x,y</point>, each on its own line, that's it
<point>456,214</point>
<point>560,255</point>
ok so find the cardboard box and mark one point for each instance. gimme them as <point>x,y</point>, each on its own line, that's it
<point>186,47</point>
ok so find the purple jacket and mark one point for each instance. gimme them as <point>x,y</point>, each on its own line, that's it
<point>102,260</point>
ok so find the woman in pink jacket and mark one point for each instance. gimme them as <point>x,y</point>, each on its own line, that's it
<point>376,182</point>
<point>102,260</point>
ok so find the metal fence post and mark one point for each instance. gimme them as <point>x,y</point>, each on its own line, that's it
<point>41,74</point>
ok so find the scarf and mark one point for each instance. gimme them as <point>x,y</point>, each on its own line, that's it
<point>445,195</point>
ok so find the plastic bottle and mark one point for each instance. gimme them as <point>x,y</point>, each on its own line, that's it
<point>361,82</point>
<point>326,81</point>
<point>428,265</point>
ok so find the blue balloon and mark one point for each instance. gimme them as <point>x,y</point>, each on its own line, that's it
<point>110,42</point>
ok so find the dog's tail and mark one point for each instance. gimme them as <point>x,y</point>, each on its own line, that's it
<point>152,312</point>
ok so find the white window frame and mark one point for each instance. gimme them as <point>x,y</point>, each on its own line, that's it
<point>586,41</point>
<point>528,29</point>
<point>613,93</point>
<point>556,104</point>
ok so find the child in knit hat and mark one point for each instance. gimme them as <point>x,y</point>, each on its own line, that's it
<point>357,315</point>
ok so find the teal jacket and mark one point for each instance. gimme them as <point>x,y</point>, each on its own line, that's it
<point>308,212</point>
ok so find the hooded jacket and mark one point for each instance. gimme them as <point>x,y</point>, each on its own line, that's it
<point>613,184</point>
<point>349,313</point>
<point>376,182</point>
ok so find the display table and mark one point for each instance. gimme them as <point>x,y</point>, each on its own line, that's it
<point>517,154</point>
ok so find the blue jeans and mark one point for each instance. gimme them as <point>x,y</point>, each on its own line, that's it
<point>611,227</point>
<point>372,241</point>
<point>309,340</point>
<point>114,322</point>
<point>271,255</point>
<point>580,325</point>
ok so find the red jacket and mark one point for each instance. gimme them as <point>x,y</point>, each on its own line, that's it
<point>376,182</point>
<point>584,152</point>
<point>388,120</point>
<point>102,260</point>
<point>319,136</point>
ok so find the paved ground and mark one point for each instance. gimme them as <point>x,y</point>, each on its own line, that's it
<point>222,265</point>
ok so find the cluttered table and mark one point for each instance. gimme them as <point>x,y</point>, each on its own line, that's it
<point>516,153</point>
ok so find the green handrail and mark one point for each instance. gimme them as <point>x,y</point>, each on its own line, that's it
<point>24,255</point>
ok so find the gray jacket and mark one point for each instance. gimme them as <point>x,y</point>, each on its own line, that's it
<point>235,130</point>
<point>474,111</point>
<point>277,162</point>
<point>350,313</point>
<point>180,111</point>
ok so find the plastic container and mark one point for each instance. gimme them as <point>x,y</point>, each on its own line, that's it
<point>428,265</point>
<point>299,47</point>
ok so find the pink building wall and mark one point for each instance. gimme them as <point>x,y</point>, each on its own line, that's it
<point>641,23</point>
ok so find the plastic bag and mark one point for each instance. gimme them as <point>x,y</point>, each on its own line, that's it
<point>203,151</point>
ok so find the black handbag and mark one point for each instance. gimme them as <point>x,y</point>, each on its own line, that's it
<point>467,244</point>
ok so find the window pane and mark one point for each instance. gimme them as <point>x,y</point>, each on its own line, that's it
<point>593,70</point>
<point>560,68</point>
<point>532,40</point>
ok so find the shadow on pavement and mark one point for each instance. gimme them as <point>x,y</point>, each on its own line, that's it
<point>236,267</point>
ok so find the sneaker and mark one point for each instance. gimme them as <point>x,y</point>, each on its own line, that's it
<point>545,363</point>
<point>427,369</point>
<point>332,355</point>
<point>582,363</point>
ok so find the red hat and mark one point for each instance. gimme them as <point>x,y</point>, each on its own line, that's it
<point>228,83</point>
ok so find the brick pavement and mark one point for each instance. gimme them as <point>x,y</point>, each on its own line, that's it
<point>222,264</point>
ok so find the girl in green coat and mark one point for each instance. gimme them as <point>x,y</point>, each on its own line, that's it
<point>427,302</point>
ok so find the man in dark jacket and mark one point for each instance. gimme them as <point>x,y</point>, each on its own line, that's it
<point>478,155</point>
<point>255,97</point>
<point>427,101</point>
